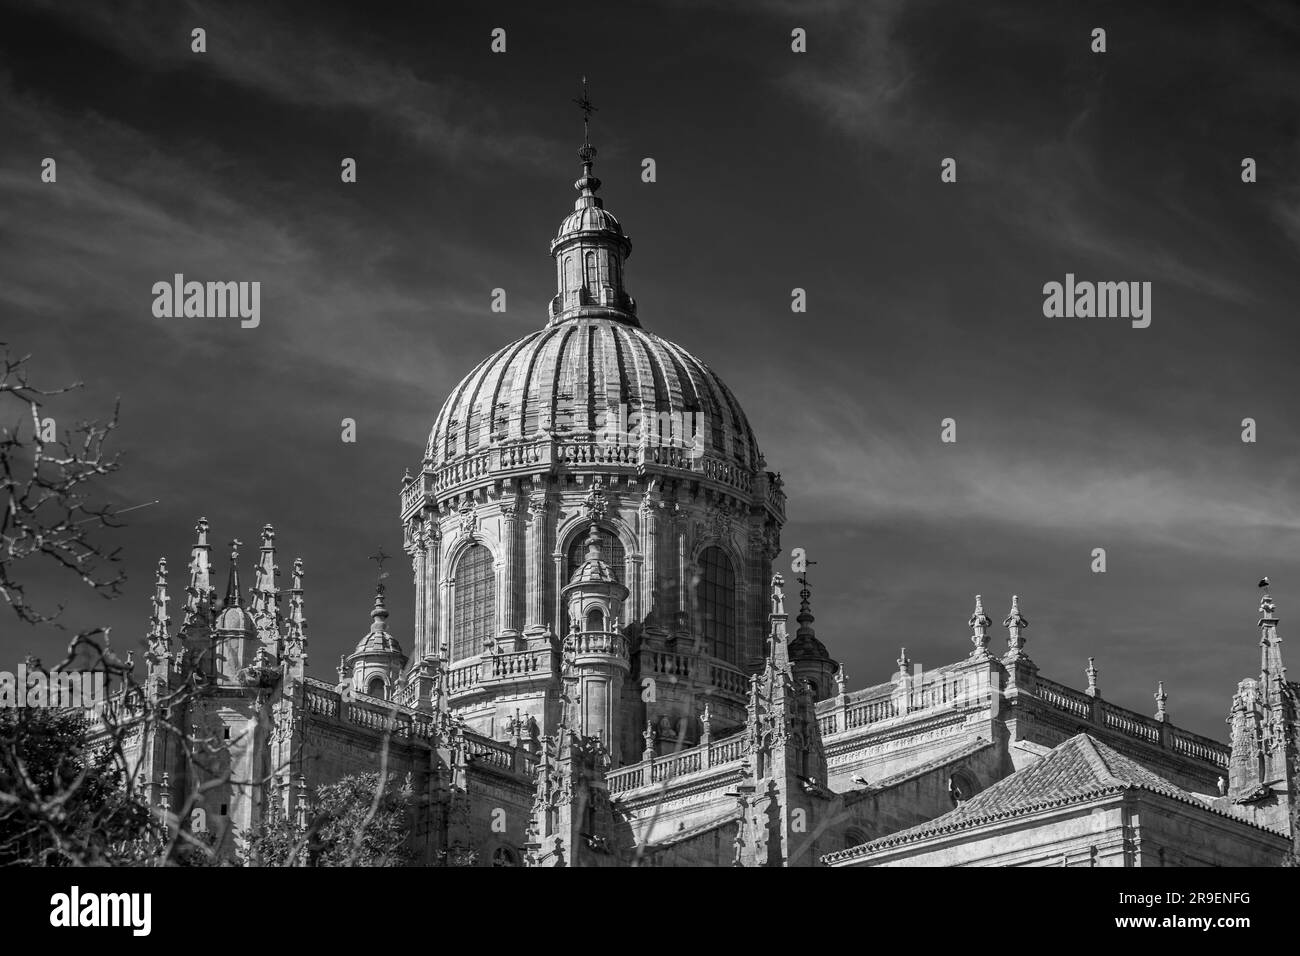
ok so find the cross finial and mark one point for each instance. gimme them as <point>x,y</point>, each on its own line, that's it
<point>379,558</point>
<point>587,108</point>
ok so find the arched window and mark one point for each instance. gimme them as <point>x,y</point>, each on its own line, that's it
<point>961,787</point>
<point>504,856</point>
<point>473,618</point>
<point>595,620</point>
<point>376,687</point>
<point>570,274</point>
<point>611,553</point>
<point>716,597</point>
<point>854,836</point>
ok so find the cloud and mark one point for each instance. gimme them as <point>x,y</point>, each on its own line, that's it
<point>300,64</point>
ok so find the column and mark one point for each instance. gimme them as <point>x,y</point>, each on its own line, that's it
<point>431,604</point>
<point>535,558</point>
<point>506,624</point>
<point>650,555</point>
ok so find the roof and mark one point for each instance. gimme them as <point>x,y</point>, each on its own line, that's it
<point>593,571</point>
<point>1079,769</point>
<point>593,377</point>
<point>911,773</point>
<point>678,836</point>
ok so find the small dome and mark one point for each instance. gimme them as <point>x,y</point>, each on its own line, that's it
<point>594,572</point>
<point>594,218</point>
<point>808,647</point>
<point>236,618</point>
<point>593,569</point>
<point>377,642</point>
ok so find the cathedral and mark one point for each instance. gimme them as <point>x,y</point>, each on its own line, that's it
<point>603,670</point>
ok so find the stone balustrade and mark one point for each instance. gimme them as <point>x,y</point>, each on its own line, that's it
<point>471,469</point>
<point>1073,702</point>
<point>716,753</point>
<point>518,664</point>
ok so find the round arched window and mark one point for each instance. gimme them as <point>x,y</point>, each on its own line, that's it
<point>716,602</point>
<point>473,616</point>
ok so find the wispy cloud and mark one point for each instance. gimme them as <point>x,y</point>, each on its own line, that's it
<point>298,62</point>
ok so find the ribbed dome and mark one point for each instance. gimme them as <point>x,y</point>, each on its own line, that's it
<point>378,642</point>
<point>569,380</point>
<point>594,571</point>
<point>588,219</point>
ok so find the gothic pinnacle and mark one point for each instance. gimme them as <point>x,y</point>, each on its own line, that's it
<point>979,624</point>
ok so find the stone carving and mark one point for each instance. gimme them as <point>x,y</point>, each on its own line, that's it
<point>596,503</point>
<point>468,519</point>
<point>778,594</point>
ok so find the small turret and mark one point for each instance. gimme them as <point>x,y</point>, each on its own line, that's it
<point>810,662</point>
<point>595,649</point>
<point>376,663</point>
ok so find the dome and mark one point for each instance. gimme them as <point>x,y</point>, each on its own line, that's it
<point>592,386</point>
<point>594,571</point>
<point>577,379</point>
<point>588,219</point>
<point>377,641</point>
<point>236,618</point>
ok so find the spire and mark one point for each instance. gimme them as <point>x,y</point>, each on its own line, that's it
<point>590,248</point>
<point>379,613</point>
<point>266,596</point>
<point>1015,623</point>
<point>594,543</point>
<point>198,595</point>
<point>296,636</point>
<point>805,617</point>
<point>233,597</point>
<point>159,620</point>
<point>979,624</point>
<point>1272,670</point>
<point>296,615</point>
<point>588,184</point>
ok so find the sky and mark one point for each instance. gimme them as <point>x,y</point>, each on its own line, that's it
<point>775,170</point>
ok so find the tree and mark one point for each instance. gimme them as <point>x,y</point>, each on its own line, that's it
<point>59,804</point>
<point>362,820</point>
<point>45,482</point>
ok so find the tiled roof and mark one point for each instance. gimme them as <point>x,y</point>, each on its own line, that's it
<point>911,773</point>
<point>594,571</point>
<point>1077,770</point>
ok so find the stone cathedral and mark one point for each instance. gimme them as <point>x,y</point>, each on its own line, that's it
<point>603,670</point>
